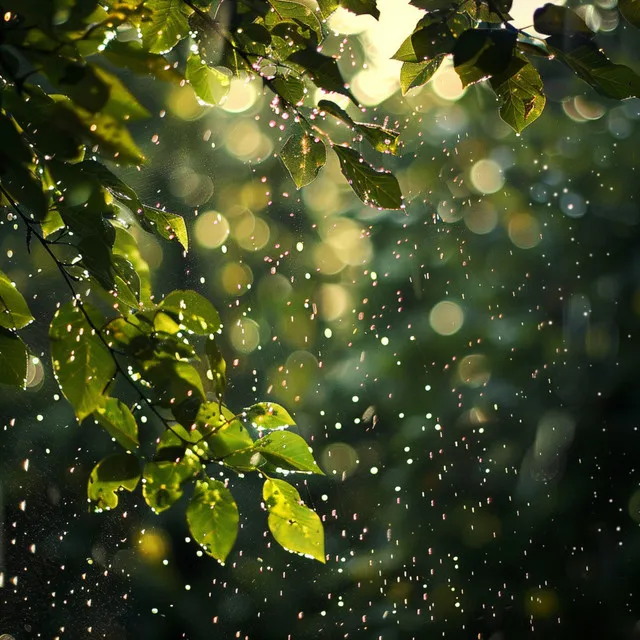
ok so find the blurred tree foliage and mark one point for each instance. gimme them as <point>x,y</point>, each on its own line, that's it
<point>460,353</point>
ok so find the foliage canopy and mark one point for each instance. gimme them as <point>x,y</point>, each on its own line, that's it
<point>65,114</point>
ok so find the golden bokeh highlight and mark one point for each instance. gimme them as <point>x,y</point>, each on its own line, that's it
<point>153,545</point>
<point>446,318</point>
<point>211,229</point>
<point>327,260</point>
<point>348,242</point>
<point>301,370</point>
<point>243,94</point>
<point>339,459</point>
<point>334,301</point>
<point>524,230</point>
<point>245,335</point>
<point>274,288</point>
<point>474,370</point>
<point>446,83</point>
<point>322,196</point>
<point>236,278</point>
<point>541,603</point>
<point>245,141</point>
<point>486,176</point>
<point>182,102</point>
<point>481,217</point>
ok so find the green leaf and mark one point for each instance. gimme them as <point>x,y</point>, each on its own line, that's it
<point>323,70</point>
<point>21,183</point>
<point>116,418</point>
<point>115,472</point>
<point>213,518</point>
<point>555,20</point>
<point>268,416</point>
<point>377,188</point>
<point>415,74</point>
<point>294,526</point>
<point>520,92</point>
<point>211,85</point>
<point>228,434</point>
<point>290,88</point>
<point>126,246</point>
<point>122,103</point>
<point>361,7</point>
<point>81,362</point>
<point>217,371</point>
<point>170,226</point>
<point>287,451</point>
<point>168,25</point>
<point>52,222</point>
<point>162,481</point>
<point>47,123</point>
<point>193,311</point>
<point>588,62</point>
<point>111,136</point>
<point>284,9</point>
<point>630,10</point>
<point>380,138</point>
<point>126,281</point>
<point>327,7</point>
<point>14,312</point>
<point>13,359</point>
<point>133,56</point>
<point>432,38</point>
<point>77,80</point>
<point>303,156</point>
<point>175,383</point>
<point>481,53</point>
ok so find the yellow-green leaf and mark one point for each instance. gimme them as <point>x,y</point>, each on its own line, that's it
<point>14,312</point>
<point>211,85</point>
<point>287,451</point>
<point>115,472</point>
<point>213,518</point>
<point>81,362</point>
<point>294,526</point>
<point>116,418</point>
<point>303,156</point>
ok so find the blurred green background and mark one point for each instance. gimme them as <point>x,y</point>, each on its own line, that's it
<point>466,371</point>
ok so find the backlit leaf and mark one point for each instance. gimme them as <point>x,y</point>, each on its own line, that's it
<point>361,7</point>
<point>213,518</point>
<point>520,92</point>
<point>168,25</point>
<point>193,311</point>
<point>14,312</point>
<point>170,226</point>
<point>82,363</point>
<point>323,70</point>
<point>211,85</point>
<point>588,62</point>
<point>303,156</point>
<point>288,451</point>
<point>162,481</point>
<point>376,188</point>
<point>115,472</point>
<point>415,74</point>
<point>294,526</point>
<point>268,415</point>
<point>116,418</point>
